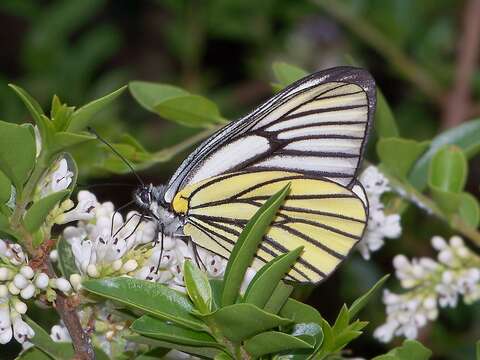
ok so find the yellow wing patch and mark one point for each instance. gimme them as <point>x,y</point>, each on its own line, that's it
<point>324,217</point>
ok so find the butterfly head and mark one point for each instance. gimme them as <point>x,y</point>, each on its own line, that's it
<point>143,196</point>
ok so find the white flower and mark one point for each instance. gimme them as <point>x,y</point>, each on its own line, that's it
<point>374,181</point>
<point>430,284</point>
<point>61,177</point>
<point>21,330</point>
<point>380,225</point>
<point>59,333</point>
<point>83,210</point>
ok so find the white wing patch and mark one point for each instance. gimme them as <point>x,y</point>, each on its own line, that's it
<point>228,156</point>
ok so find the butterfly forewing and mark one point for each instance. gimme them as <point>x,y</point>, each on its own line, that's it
<point>312,135</point>
<point>317,125</point>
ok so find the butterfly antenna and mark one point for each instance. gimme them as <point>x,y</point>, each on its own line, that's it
<point>91,130</point>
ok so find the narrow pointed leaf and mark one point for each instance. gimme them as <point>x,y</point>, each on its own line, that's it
<point>246,246</point>
<point>66,260</point>
<point>360,303</point>
<point>31,104</point>
<point>82,117</point>
<point>198,287</point>
<point>279,297</point>
<point>267,278</point>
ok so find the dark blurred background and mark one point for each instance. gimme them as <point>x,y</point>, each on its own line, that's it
<point>82,49</point>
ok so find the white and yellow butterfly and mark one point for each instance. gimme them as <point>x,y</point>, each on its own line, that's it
<point>311,135</point>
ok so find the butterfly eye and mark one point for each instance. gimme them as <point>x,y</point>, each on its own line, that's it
<point>144,196</point>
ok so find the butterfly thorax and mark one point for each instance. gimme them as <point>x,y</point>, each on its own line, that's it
<point>151,199</point>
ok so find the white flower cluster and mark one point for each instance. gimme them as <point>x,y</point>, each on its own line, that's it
<point>18,281</point>
<point>125,246</point>
<point>431,284</point>
<point>380,225</point>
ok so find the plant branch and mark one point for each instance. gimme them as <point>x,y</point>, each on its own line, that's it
<point>67,310</point>
<point>373,37</point>
<point>458,102</point>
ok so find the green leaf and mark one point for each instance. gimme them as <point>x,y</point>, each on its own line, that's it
<point>448,169</point>
<point>271,342</point>
<point>5,188</point>
<point>267,278</point>
<point>190,110</point>
<point>202,352</point>
<point>66,260</point>
<point>33,353</point>
<point>399,154</point>
<point>385,124</point>
<point>477,347</point>
<point>469,210</point>
<point>38,212</point>
<point>360,303</point>
<point>240,321</point>
<point>82,117</point>
<point>300,312</point>
<point>198,287</point>
<point>409,350</point>
<point>310,332</point>
<point>58,351</point>
<point>247,244</point>
<point>465,136</point>
<point>31,104</point>
<point>217,286</point>
<point>150,94</point>
<point>17,152</point>
<point>159,329</point>
<point>286,74</point>
<point>61,114</point>
<point>44,124</point>
<point>155,299</point>
<point>279,297</point>
<point>63,140</point>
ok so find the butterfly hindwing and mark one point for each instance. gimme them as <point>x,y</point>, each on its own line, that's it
<point>319,214</point>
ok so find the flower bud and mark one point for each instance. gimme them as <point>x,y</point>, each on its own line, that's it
<point>400,262</point>
<point>76,281</point>
<point>28,292</point>
<point>13,289</point>
<point>438,243</point>
<point>130,265</point>
<point>3,291</point>
<point>27,272</point>
<point>54,255</point>
<point>20,281</point>
<point>117,265</point>
<point>63,285</point>
<point>20,306</point>
<point>5,274</point>
<point>92,271</point>
<point>456,241</point>
<point>42,281</point>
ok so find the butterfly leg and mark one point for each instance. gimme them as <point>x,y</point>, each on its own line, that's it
<point>162,234</point>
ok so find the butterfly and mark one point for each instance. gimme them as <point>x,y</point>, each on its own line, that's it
<point>312,135</point>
